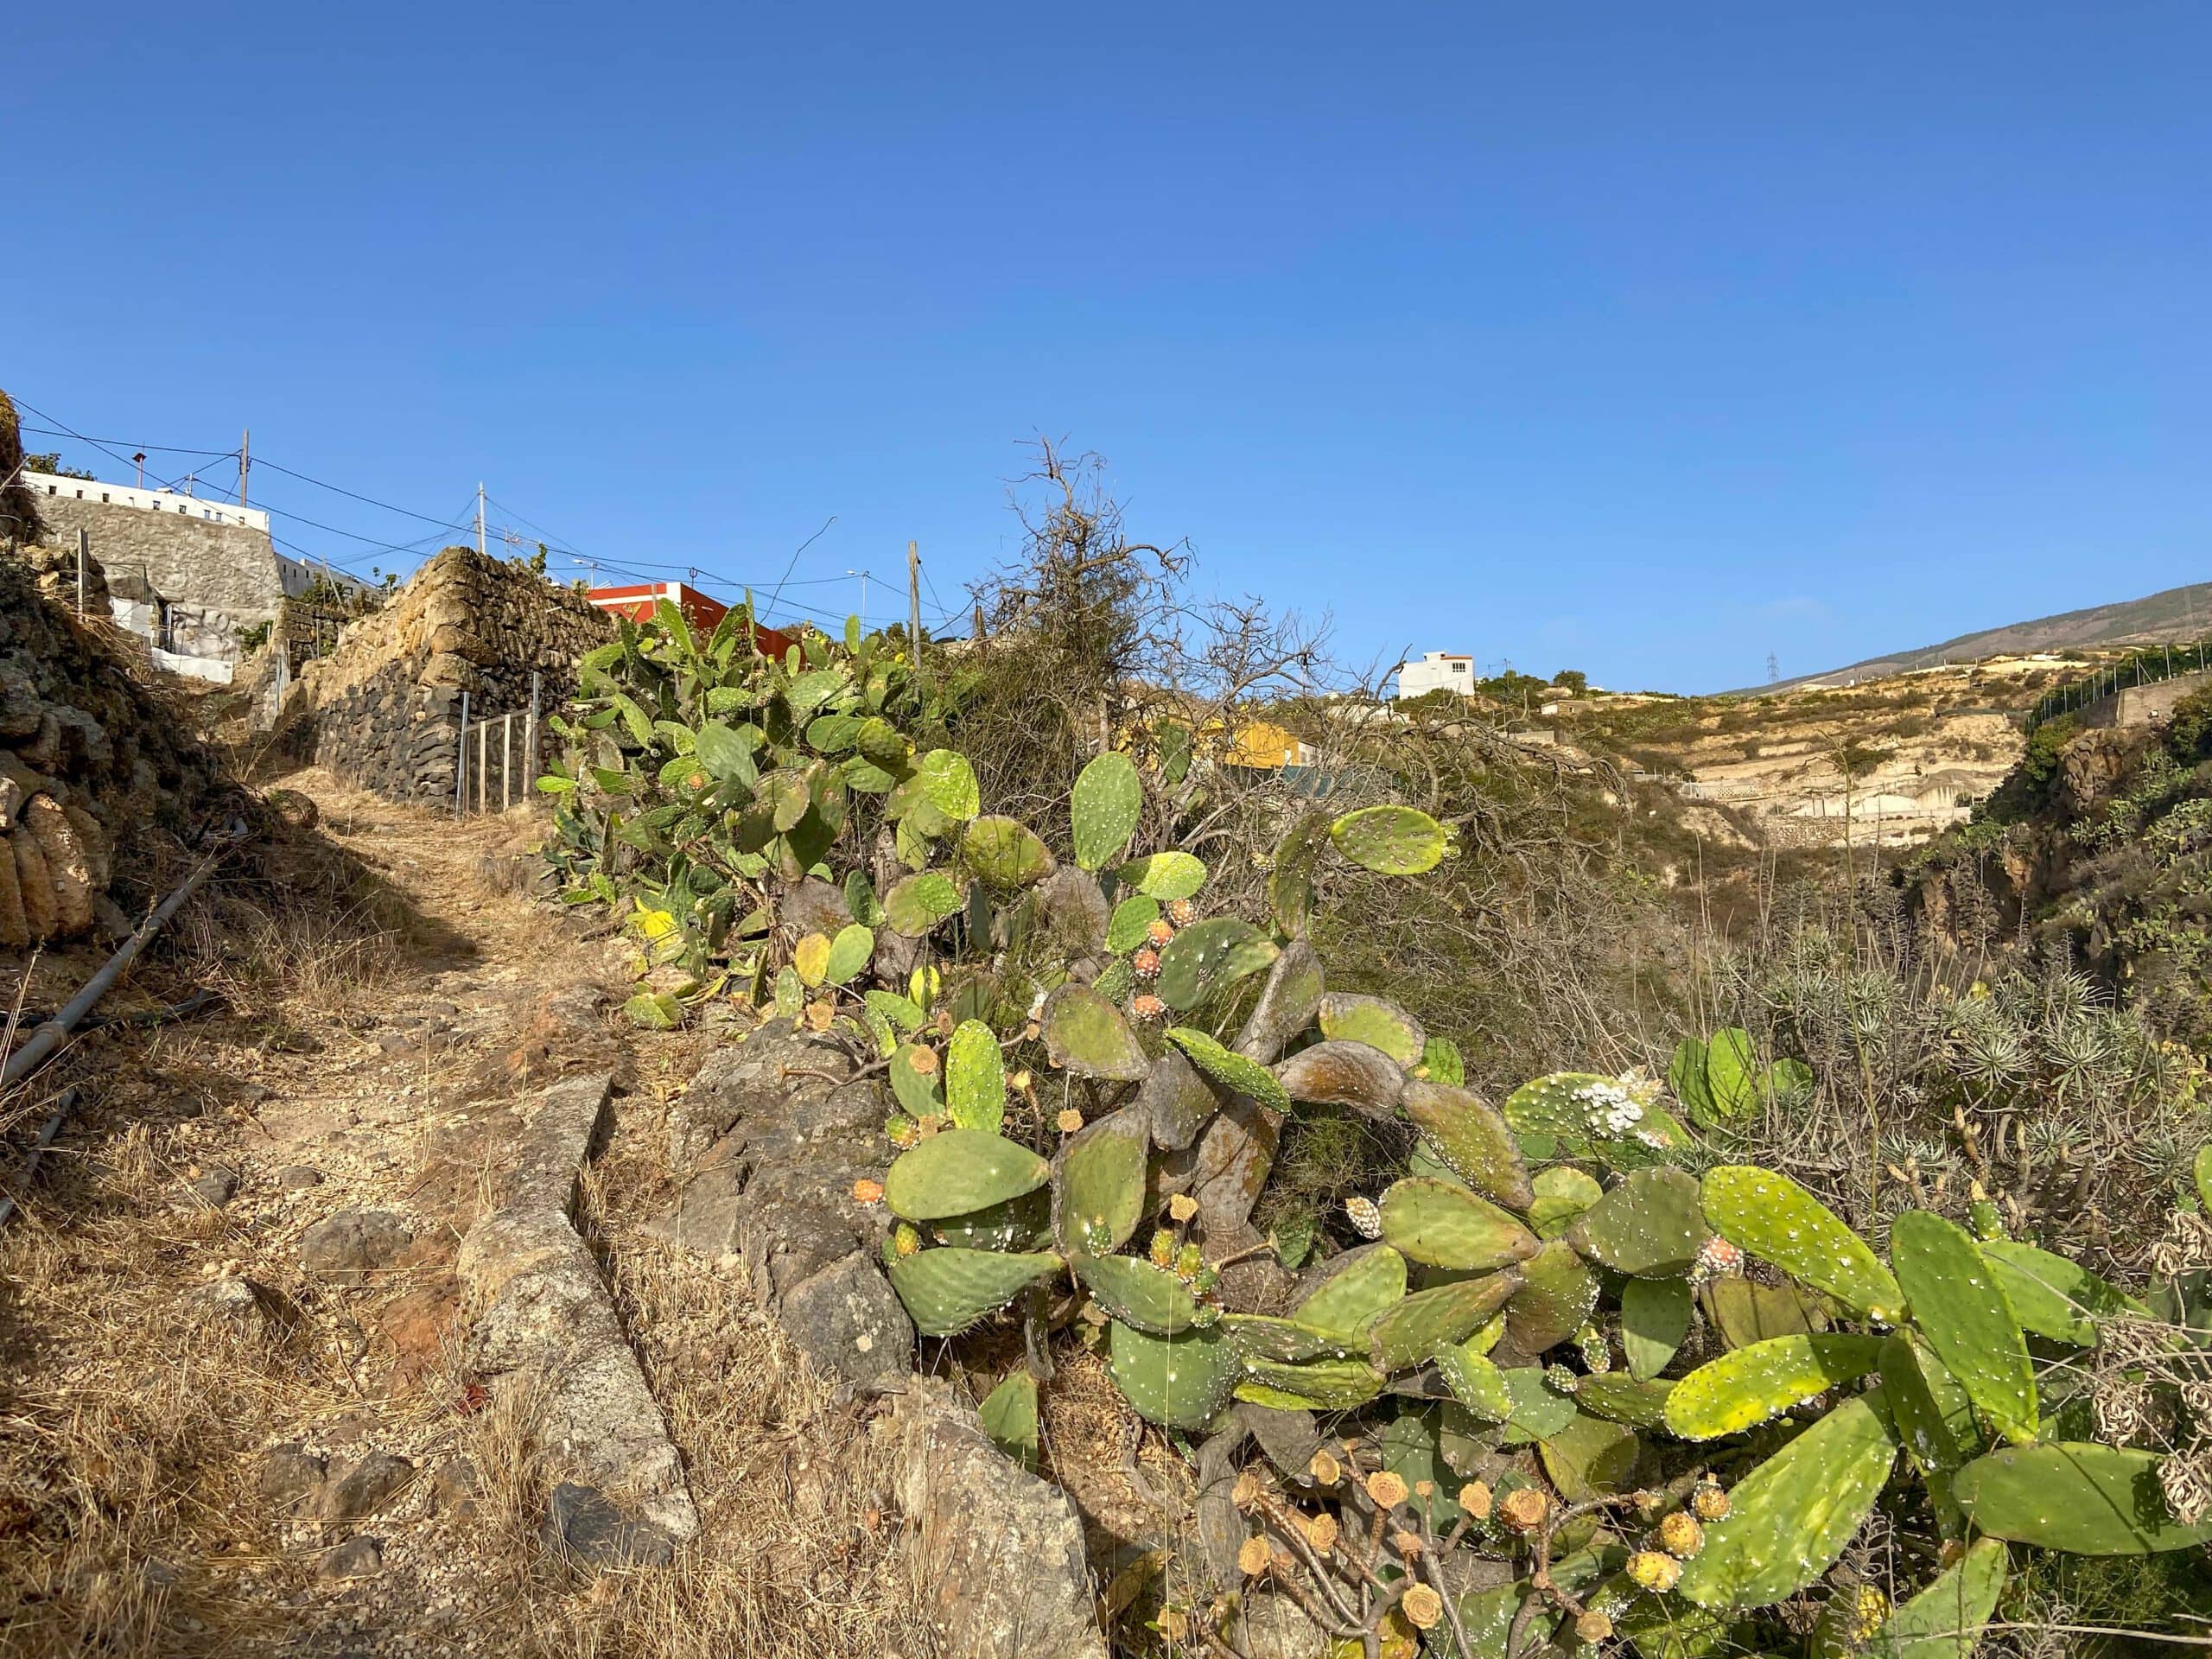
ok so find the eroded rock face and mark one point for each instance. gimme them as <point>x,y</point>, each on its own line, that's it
<point>1001,1556</point>
<point>773,1146</point>
<point>354,1244</point>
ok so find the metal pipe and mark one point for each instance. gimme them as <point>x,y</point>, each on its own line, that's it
<point>50,1036</point>
<point>46,1134</point>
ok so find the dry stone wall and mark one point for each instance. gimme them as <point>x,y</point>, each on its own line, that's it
<point>384,709</point>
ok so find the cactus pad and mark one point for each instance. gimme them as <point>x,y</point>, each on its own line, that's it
<point>1945,1620</point>
<point>1260,1335</point>
<point>1232,1071</point>
<point>1210,955</point>
<point>1651,1226</point>
<point>1009,1415</point>
<point>1476,1382</point>
<point>1779,1221</point>
<point>1591,1456</point>
<point>1320,1384</point>
<point>1369,1280</point>
<point>946,1290</point>
<point>1581,1114</point>
<point>1005,853</point>
<point>2051,1296</point>
<point>1934,1419</point>
<point>2084,1499</point>
<point>947,782</point>
<point>1561,1194</point>
<point>1744,1311</point>
<point>918,903</point>
<point>1136,1292</point>
<point>1748,1386</point>
<point>960,1171</point>
<point>1343,1074</point>
<point>1099,1186</point>
<point>1446,1226</point>
<point>1375,1022</point>
<point>849,952</point>
<point>1175,1100</point>
<point>1390,840</point>
<point>1790,1518</point>
<point>1019,1223</point>
<point>974,1078</point>
<point>1655,1319</point>
<point>915,1080</point>
<point>1177,1382</point>
<point>1413,1329</point>
<point>1540,1410</point>
<point>1472,1138</point>
<point>1959,1308</point>
<point>1555,1298</point>
<point>1131,924</point>
<point>1286,1004</point>
<point>1086,1034</point>
<point>1625,1399</point>
<point>1164,877</point>
<point>1108,799</point>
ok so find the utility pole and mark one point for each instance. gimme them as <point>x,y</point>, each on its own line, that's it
<point>914,600</point>
<point>245,461</point>
<point>479,519</point>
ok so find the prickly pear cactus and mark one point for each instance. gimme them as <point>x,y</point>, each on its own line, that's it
<point>1779,1221</point>
<point>1108,799</point>
<point>948,1290</point>
<point>958,1171</point>
<point>1749,1386</point>
<point>2086,1499</point>
<point>1447,1226</point>
<point>1960,1307</point>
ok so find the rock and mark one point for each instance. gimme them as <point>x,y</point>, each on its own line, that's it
<point>1000,1552</point>
<point>231,1302</point>
<point>296,1178</point>
<point>293,807</point>
<point>352,1244</point>
<point>848,1321</point>
<point>288,1476</point>
<point>216,1186</point>
<point>454,1486</point>
<point>814,906</point>
<point>1274,1627</point>
<point>363,1489</point>
<point>583,1524</point>
<point>357,1558</point>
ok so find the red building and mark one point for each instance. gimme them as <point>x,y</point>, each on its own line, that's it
<point>702,611</point>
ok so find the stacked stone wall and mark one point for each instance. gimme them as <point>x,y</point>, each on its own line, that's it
<point>384,709</point>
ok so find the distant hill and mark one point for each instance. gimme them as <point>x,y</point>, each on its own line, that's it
<point>2178,613</point>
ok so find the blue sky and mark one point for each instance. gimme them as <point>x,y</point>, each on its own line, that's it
<point>1648,340</point>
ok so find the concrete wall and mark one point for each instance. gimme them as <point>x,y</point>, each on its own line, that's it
<point>2141,705</point>
<point>53,486</point>
<point>1436,672</point>
<point>383,710</point>
<point>217,577</point>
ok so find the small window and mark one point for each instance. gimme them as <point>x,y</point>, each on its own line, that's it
<point>102,495</point>
<point>1458,668</point>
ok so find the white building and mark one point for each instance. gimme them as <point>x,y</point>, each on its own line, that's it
<point>1439,670</point>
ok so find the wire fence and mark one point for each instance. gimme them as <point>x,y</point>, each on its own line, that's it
<point>2144,667</point>
<point>498,765</point>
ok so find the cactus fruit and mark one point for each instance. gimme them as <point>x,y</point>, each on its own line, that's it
<point>974,1078</point>
<point>1590,1457</point>
<point>1209,957</point>
<point>1099,1186</point>
<point>2083,1498</point>
<point>1651,1225</point>
<point>1179,1382</point>
<point>1472,1138</point>
<point>1561,1195</point>
<point>1005,853</point>
<point>1153,1299</point>
<point>1654,1570</point>
<point>1792,1516</point>
<point>1959,1308</point>
<point>1086,1034</point>
<point>1164,877</point>
<point>1655,1319</point>
<point>1366,1220</point>
<point>1410,1331</point>
<point>1232,1071</point>
<point>1680,1535</point>
<point>1312,1385</point>
<point>2051,1296</point>
<point>1747,1386</point>
<point>1375,1022</point>
<point>1361,1284</point>
<point>1445,1226</point>
<point>1343,1074</point>
<point>946,1290</point>
<point>959,1171</point>
<point>1009,1415</point>
<point>1945,1620</point>
<point>1390,840</point>
<point>1775,1219</point>
<point>1555,1298</point>
<point>1934,1419</point>
<point>1108,799</point>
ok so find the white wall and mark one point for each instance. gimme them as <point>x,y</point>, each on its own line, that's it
<point>123,495</point>
<point>1438,670</point>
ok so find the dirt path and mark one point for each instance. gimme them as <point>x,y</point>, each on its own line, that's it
<point>236,1415</point>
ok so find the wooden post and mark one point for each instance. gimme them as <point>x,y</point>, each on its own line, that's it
<point>461,762</point>
<point>530,739</point>
<point>483,778</point>
<point>507,762</point>
<point>914,603</point>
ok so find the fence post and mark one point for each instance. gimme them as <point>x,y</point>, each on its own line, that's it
<point>483,744</point>
<point>529,738</point>
<point>507,761</point>
<point>460,763</point>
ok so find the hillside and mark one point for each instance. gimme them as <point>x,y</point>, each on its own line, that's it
<point>2176,614</point>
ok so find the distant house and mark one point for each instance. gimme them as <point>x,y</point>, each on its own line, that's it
<point>1439,670</point>
<point>703,612</point>
<point>185,574</point>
